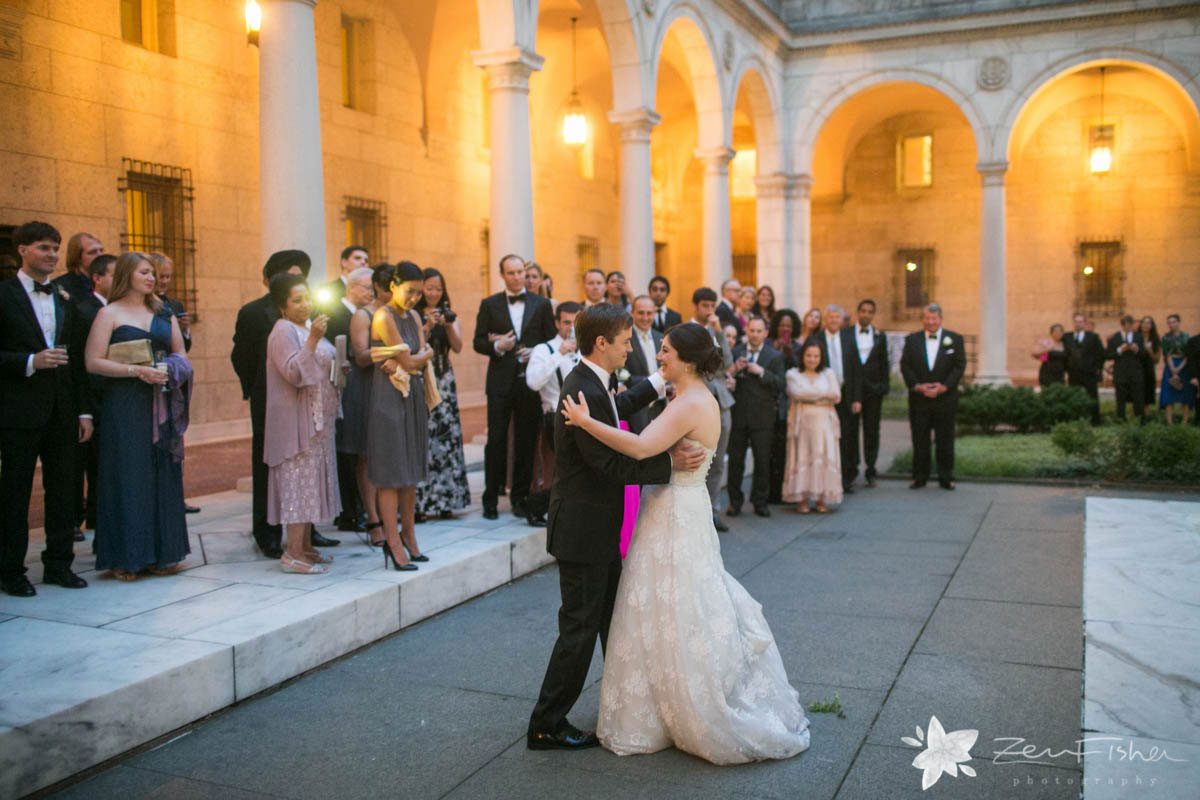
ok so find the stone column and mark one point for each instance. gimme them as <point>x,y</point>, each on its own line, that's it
<point>291,186</point>
<point>511,216</point>
<point>637,212</point>
<point>993,285</point>
<point>800,243</point>
<point>717,235</point>
<point>773,196</point>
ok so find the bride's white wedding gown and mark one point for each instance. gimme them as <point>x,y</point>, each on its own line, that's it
<point>691,661</point>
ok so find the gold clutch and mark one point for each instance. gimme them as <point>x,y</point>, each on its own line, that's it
<point>133,352</point>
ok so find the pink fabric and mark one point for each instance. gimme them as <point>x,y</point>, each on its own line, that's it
<point>633,500</point>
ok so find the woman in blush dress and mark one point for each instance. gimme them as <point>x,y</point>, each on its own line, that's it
<point>814,462</point>
<point>445,490</point>
<point>140,523</point>
<point>298,443</point>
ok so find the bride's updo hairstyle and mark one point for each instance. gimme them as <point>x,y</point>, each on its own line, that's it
<point>694,345</point>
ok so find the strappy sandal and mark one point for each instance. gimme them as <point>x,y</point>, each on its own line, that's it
<point>173,569</point>
<point>295,565</point>
<point>123,575</point>
<point>821,508</point>
<point>803,508</point>
<point>318,558</point>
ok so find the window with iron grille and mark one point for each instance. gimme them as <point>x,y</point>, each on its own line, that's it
<point>158,218</point>
<point>1100,278</point>
<point>915,282</point>
<point>587,254</point>
<point>366,226</point>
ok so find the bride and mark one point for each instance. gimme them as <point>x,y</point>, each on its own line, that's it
<point>691,661</point>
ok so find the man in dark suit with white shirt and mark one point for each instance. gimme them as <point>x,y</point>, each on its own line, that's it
<point>509,325</point>
<point>1127,351</point>
<point>933,363</point>
<point>727,305</point>
<point>643,359</point>
<point>869,344</point>
<point>1085,361</point>
<point>664,318</point>
<point>353,257</point>
<point>758,369</point>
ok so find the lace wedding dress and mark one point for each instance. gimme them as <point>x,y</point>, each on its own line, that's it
<point>691,661</point>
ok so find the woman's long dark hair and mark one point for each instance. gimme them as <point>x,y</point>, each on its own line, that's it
<point>1155,341</point>
<point>781,314</point>
<point>694,345</point>
<point>430,272</point>
<point>766,313</point>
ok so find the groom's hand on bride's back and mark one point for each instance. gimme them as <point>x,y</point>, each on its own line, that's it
<point>686,457</point>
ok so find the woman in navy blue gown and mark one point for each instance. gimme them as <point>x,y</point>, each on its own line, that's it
<point>140,524</point>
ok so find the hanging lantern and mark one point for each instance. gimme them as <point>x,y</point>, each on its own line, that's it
<point>1100,140</point>
<point>253,21</point>
<point>575,124</point>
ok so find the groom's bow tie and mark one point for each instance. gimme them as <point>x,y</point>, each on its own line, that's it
<point>612,383</point>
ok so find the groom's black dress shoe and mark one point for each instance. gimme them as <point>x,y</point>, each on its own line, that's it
<point>64,578</point>
<point>568,738</point>
<point>18,586</point>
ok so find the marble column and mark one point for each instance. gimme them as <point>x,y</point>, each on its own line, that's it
<point>511,216</point>
<point>637,212</point>
<point>800,243</point>
<point>717,234</point>
<point>773,197</point>
<point>993,284</point>
<point>291,185</point>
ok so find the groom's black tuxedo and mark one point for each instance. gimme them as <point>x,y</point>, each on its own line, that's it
<point>586,509</point>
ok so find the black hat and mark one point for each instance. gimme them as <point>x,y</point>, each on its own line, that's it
<point>407,271</point>
<point>284,260</point>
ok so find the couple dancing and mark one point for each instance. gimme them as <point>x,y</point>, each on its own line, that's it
<point>689,659</point>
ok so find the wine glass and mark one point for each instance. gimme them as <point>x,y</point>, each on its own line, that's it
<point>160,364</point>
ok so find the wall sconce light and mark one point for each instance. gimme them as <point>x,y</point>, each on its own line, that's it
<point>1088,270</point>
<point>253,21</point>
<point>575,126</point>
<point>911,266</point>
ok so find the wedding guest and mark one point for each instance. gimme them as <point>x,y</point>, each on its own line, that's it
<point>727,305</point>
<point>140,523</point>
<point>1178,371</point>
<point>870,346</point>
<point>664,317</point>
<point>445,490</point>
<point>784,323</point>
<point>398,421</point>
<point>507,328</point>
<point>1192,353</point>
<point>1125,350</point>
<point>549,365</point>
<point>164,273</point>
<point>731,336</point>
<point>839,352</point>
<point>764,304</point>
<point>810,325</point>
<point>534,277</point>
<point>548,289</point>
<point>758,369</point>
<point>46,411</point>
<point>302,404</point>
<point>255,321</point>
<point>593,287</point>
<point>813,472</point>
<point>643,359</point>
<point>356,397</point>
<point>933,363</point>
<point>1151,355</point>
<point>1085,361</point>
<point>614,290</point>
<point>359,292</point>
<point>88,453</point>
<point>1053,357</point>
<point>353,257</point>
<point>704,313</point>
<point>82,249</point>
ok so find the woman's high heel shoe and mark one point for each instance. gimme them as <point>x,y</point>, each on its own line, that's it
<point>370,527</point>
<point>419,557</point>
<point>396,565</point>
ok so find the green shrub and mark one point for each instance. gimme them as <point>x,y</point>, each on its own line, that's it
<point>988,408</point>
<point>1075,438</point>
<point>1133,452</point>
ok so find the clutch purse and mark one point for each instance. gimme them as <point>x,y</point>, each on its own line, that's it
<point>135,352</point>
<point>432,395</point>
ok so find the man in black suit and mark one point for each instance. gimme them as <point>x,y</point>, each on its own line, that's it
<point>664,318</point>
<point>1127,352</point>
<point>46,411</point>
<point>643,360</point>
<point>1192,354</point>
<point>509,325</point>
<point>933,362</point>
<point>359,291</point>
<point>87,454</point>
<point>353,257</point>
<point>1085,362</point>
<point>840,352</point>
<point>758,369</point>
<point>727,305</point>
<point>869,344</point>
<point>254,323</point>
<point>586,512</point>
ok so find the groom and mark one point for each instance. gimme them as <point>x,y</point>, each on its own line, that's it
<point>586,509</point>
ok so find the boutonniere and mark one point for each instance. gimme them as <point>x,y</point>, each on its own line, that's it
<point>622,375</point>
<point>946,340</point>
<point>63,293</point>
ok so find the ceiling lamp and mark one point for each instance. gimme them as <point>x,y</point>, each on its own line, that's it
<point>1100,137</point>
<point>575,126</point>
<point>253,21</point>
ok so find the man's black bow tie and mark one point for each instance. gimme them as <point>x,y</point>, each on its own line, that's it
<point>866,330</point>
<point>612,383</point>
<point>933,337</point>
<point>516,298</point>
<point>44,288</point>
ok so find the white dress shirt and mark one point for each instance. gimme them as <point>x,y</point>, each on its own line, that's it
<point>656,380</point>
<point>545,367</point>
<point>349,306</point>
<point>43,309</point>
<point>833,346</point>
<point>516,313</point>
<point>645,340</point>
<point>1079,337</point>
<point>931,346</point>
<point>865,342</point>
<point>103,300</point>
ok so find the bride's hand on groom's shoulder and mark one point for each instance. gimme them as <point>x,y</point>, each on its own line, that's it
<point>576,412</point>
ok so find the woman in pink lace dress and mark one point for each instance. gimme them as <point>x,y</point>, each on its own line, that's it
<point>814,463</point>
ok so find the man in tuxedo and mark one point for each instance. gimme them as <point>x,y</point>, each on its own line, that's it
<point>249,356</point>
<point>933,362</point>
<point>87,454</point>
<point>359,291</point>
<point>704,312</point>
<point>46,411</point>
<point>664,318</point>
<point>727,306</point>
<point>594,285</point>
<point>509,325</point>
<point>1085,361</point>
<point>839,352</point>
<point>586,513</point>
<point>82,250</point>
<point>643,360</point>
<point>869,344</point>
<point>758,369</point>
<point>353,257</point>
<point>1127,352</point>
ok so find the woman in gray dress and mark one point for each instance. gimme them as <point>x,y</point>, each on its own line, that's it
<point>398,421</point>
